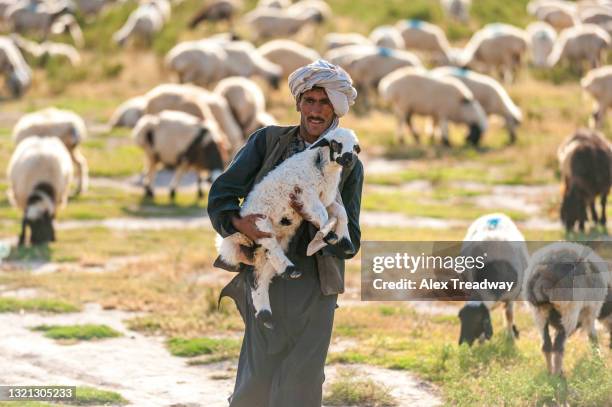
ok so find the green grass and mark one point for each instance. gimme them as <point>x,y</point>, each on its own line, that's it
<point>8,304</point>
<point>84,332</point>
<point>350,389</point>
<point>89,396</point>
<point>203,346</point>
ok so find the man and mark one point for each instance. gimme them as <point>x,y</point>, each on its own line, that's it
<point>283,367</point>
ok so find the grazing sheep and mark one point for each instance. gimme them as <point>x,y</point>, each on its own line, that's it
<point>602,18</point>
<point>496,47</point>
<point>542,37</point>
<point>560,15</point>
<point>338,40</point>
<point>144,22</point>
<point>319,7</point>
<point>247,103</point>
<point>66,125</point>
<point>598,83</point>
<point>208,61</point>
<point>387,36</point>
<point>288,54</point>
<point>414,91</point>
<point>216,10</point>
<point>314,174</point>
<point>566,288</point>
<point>26,16</point>
<point>506,259</point>
<point>274,3</point>
<point>181,141</point>
<point>17,73</point>
<point>585,160</point>
<point>92,7</point>
<point>457,9</point>
<point>47,49</point>
<point>426,37</point>
<point>490,94</point>
<point>129,112</point>
<point>277,23</point>
<point>586,42</point>
<point>39,172</point>
<point>344,55</point>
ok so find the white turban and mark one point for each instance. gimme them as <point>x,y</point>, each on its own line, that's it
<point>336,82</point>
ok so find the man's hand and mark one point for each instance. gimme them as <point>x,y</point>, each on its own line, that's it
<point>246,225</point>
<point>296,204</point>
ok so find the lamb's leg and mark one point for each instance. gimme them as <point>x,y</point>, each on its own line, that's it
<point>24,225</point>
<point>558,348</point>
<point>274,252</point>
<point>547,348</point>
<point>149,178</point>
<point>400,127</point>
<point>408,121</point>
<point>510,327</point>
<point>81,170</point>
<point>444,132</point>
<point>337,210</point>
<point>261,295</point>
<point>594,216</point>
<point>178,174</point>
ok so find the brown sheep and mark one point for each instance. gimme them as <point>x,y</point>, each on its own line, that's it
<point>585,159</point>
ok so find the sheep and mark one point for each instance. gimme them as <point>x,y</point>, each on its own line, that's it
<point>457,9</point>
<point>506,260</point>
<point>66,125</point>
<point>587,42</point>
<point>17,73</point>
<point>92,7</point>
<point>559,15</point>
<point>276,23</point>
<point>415,91</point>
<point>129,112</point>
<point>542,37</point>
<point>344,55</point>
<point>144,22</point>
<point>216,10</point>
<point>247,103</point>
<point>602,18</point>
<point>490,94</point>
<point>39,172</point>
<point>338,40</point>
<point>598,83</point>
<point>288,54</point>
<point>178,140</point>
<point>496,47</point>
<point>313,174</point>
<point>208,61</point>
<point>274,3</point>
<point>387,36</point>
<point>28,16</point>
<point>566,287</point>
<point>585,160</point>
<point>47,49</point>
<point>426,37</point>
<point>319,7</point>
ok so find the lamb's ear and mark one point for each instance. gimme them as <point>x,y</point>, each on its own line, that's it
<point>357,148</point>
<point>322,142</point>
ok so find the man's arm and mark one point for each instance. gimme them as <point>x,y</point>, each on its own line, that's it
<point>235,184</point>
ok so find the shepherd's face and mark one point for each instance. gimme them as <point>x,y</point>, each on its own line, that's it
<point>317,112</point>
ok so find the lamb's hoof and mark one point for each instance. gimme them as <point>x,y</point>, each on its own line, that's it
<point>346,246</point>
<point>515,331</point>
<point>265,317</point>
<point>331,238</point>
<point>291,272</point>
<point>148,192</point>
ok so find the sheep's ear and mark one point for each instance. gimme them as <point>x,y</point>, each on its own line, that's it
<point>322,142</point>
<point>357,148</point>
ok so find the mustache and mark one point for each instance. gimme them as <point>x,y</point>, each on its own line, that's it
<point>315,118</point>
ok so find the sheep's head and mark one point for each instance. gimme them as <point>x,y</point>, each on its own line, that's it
<point>343,146</point>
<point>39,214</point>
<point>475,323</point>
<point>573,208</point>
<point>472,113</point>
<point>208,153</point>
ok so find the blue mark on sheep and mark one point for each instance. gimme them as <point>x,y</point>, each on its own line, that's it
<point>493,223</point>
<point>413,23</point>
<point>496,29</point>
<point>385,52</point>
<point>461,72</point>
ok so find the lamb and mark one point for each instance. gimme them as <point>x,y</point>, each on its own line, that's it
<point>17,73</point>
<point>208,61</point>
<point>39,172</point>
<point>598,83</point>
<point>498,47</point>
<point>387,36</point>
<point>288,54</point>
<point>178,140</point>
<point>426,37</point>
<point>144,22</point>
<point>585,160</point>
<point>247,103</point>
<point>129,112</point>
<point>566,288</point>
<point>587,42</point>
<point>415,91</point>
<point>542,37</point>
<point>276,23</point>
<point>314,174</point>
<point>216,10</point>
<point>490,94</point>
<point>457,9</point>
<point>63,124</point>
<point>338,40</point>
<point>506,260</point>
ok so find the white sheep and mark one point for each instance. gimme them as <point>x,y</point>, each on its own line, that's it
<point>586,42</point>
<point>216,10</point>
<point>303,7</point>
<point>144,22</point>
<point>92,7</point>
<point>129,112</point>
<point>542,37</point>
<point>178,140</point>
<point>66,125</point>
<point>413,91</point>
<point>600,17</point>
<point>274,3</point>
<point>457,9</point>
<point>387,36</point>
<point>26,16</point>
<point>277,23</point>
<point>496,47</point>
<point>560,15</point>
<point>598,83</point>
<point>338,40</point>
<point>313,174</point>
<point>289,55</point>
<point>247,103</point>
<point>490,94</point>
<point>425,37</point>
<point>497,239</point>
<point>39,172</point>
<point>566,287</point>
<point>17,73</point>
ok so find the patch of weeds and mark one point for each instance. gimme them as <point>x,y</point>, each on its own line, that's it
<point>89,396</point>
<point>202,346</point>
<point>8,304</point>
<point>349,389</point>
<point>77,332</point>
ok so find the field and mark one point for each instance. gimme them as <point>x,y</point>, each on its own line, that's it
<point>126,300</point>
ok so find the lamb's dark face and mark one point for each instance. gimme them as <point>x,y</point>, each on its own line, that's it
<point>573,208</point>
<point>475,322</point>
<point>343,146</point>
